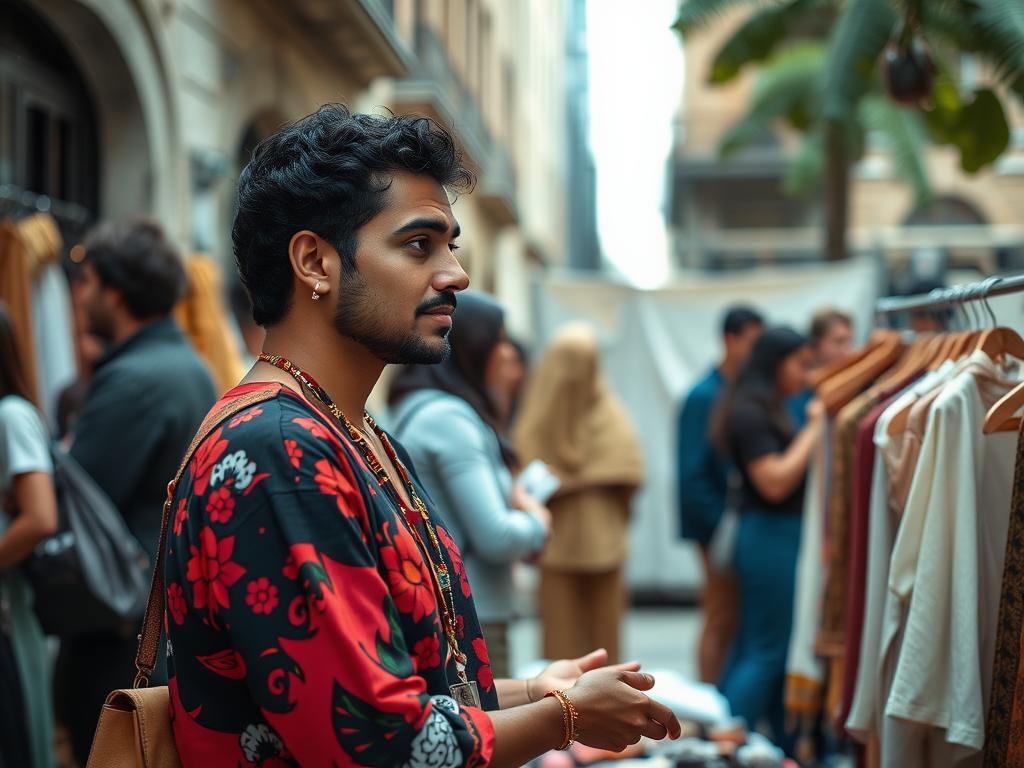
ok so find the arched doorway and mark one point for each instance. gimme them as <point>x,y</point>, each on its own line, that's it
<point>48,155</point>
<point>123,60</point>
<point>944,211</point>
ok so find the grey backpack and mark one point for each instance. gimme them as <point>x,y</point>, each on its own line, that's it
<point>91,575</point>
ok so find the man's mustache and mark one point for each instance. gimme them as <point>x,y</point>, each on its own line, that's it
<point>446,299</point>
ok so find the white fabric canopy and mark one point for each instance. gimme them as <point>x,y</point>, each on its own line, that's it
<point>658,344</point>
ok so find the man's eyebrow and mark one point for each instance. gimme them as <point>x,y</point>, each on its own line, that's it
<point>434,225</point>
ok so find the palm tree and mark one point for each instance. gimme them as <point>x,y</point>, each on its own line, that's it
<point>838,69</point>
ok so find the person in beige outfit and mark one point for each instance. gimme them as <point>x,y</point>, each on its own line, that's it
<point>572,421</point>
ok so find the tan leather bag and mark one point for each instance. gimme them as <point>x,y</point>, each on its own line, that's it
<point>134,730</point>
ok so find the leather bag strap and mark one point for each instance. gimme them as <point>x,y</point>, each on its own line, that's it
<point>149,639</point>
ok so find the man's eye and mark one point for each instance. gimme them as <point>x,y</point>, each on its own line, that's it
<point>453,247</point>
<point>419,245</point>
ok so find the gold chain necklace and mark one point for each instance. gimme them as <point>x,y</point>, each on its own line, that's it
<point>465,691</point>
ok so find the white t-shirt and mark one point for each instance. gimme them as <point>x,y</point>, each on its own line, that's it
<point>24,444</point>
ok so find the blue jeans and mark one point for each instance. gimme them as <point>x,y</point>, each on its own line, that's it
<point>766,553</point>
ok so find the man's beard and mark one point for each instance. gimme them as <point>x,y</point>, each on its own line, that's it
<point>362,316</point>
<point>100,323</point>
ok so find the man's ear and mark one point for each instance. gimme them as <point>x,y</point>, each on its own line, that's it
<point>310,255</point>
<point>114,298</point>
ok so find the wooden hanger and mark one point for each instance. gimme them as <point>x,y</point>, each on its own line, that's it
<point>914,360</point>
<point>959,346</point>
<point>943,351</point>
<point>999,342</point>
<point>1000,417</point>
<point>937,351</point>
<point>846,385</point>
<point>823,374</point>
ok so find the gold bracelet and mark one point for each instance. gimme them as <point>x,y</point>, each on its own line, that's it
<point>570,719</point>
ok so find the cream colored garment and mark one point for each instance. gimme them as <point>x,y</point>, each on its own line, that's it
<point>904,744</point>
<point>948,560</point>
<point>805,672</point>
<point>571,420</point>
<point>204,318</point>
<point>933,657</point>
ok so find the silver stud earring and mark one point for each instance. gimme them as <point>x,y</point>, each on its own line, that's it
<point>316,296</point>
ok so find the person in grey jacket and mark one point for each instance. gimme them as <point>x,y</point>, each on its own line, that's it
<point>450,419</point>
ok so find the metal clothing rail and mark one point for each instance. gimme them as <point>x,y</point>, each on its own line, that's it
<point>953,297</point>
<point>17,202</point>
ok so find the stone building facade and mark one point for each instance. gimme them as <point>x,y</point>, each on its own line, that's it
<point>112,107</point>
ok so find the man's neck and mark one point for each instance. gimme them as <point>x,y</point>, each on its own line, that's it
<point>128,326</point>
<point>728,368</point>
<point>345,369</point>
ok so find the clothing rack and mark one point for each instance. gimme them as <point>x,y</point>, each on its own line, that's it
<point>953,297</point>
<point>18,203</point>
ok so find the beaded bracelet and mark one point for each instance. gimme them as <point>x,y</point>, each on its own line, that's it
<point>570,718</point>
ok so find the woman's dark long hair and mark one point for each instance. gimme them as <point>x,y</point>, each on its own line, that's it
<point>758,382</point>
<point>476,330</point>
<point>12,381</point>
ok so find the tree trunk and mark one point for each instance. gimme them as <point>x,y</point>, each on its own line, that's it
<point>837,191</point>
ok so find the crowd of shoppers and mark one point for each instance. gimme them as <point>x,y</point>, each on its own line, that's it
<point>744,439</point>
<point>127,421</point>
<point>262,570</point>
<point>146,398</point>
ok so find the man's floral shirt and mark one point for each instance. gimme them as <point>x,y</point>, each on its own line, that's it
<point>302,626</point>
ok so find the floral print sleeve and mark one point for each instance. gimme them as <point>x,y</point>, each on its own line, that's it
<point>302,626</point>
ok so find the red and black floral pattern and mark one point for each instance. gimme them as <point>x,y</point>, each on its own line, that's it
<point>302,625</point>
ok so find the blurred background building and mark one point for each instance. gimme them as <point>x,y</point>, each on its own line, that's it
<point>732,214</point>
<point>112,107</point>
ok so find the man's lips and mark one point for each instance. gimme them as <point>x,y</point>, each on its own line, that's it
<point>445,310</point>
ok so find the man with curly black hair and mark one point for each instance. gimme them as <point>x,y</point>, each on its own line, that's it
<point>318,611</point>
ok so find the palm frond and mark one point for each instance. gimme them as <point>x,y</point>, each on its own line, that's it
<point>1001,26</point>
<point>695,15</point>
<point>805,169</point>
<point>859,35</point>
<point>904,135</point>
<point>945,24</point>
<point>758,37</point>
<point>783,89</point>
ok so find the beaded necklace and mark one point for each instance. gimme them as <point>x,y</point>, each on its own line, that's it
<point>465,691</point>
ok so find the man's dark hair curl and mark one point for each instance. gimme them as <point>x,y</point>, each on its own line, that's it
<point>329,173</point>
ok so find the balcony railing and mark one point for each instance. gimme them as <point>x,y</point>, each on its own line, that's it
<point>359,35</point>
<point>435,87</point>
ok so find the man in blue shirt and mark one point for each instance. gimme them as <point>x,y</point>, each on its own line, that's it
<point>703,487</point>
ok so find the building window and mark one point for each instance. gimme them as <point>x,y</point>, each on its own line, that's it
<point>47,129</point>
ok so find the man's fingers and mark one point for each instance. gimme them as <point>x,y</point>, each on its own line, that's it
<point>654,730</point>
<point>639,680</point>
<point>627,666</point>
<point>658,711</point>
<point>592,660</point>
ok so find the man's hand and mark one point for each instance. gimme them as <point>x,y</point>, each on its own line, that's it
<point>560,675</point>
<point>614,711</point>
